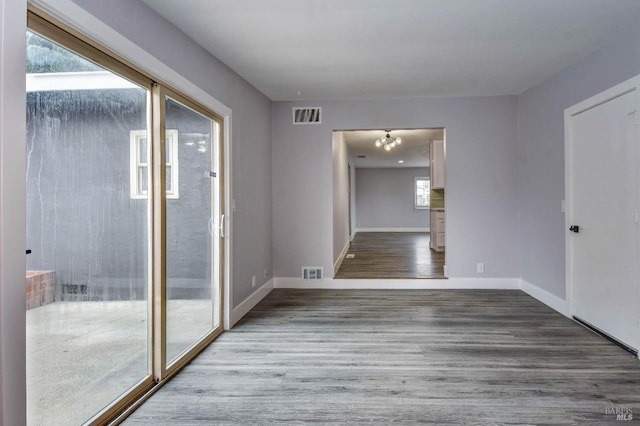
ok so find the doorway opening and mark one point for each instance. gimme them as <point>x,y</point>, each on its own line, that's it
<point>389,204</point>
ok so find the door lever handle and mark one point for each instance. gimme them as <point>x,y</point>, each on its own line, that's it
<point>574,228</point>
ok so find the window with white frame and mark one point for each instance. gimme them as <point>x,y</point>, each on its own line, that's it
<point>139,163</point>
<point>421,189</point>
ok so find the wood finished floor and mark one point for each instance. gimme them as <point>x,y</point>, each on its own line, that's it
<point>431,357</point>
<point>392,255</point>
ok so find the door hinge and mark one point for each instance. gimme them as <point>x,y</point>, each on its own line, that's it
<point>637,215</point>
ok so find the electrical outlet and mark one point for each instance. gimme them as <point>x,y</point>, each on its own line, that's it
<point>480,268</point>
<point>253,281</point>
<point>266,273</point>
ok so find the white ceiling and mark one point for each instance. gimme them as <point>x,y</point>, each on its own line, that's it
<point>338,49</point>
<point>413,151</point>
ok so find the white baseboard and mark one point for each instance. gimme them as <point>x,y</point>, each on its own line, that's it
<point>418,229</point>
<point>243,308</point>
<point>343,253</point>
<point>551,300</point>
<point>399,284</point>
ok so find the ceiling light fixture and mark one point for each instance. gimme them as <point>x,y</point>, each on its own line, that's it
<point>387,142</point>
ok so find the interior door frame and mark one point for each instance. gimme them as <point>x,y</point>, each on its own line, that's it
<point>632,84</point>
<point>353,190</point>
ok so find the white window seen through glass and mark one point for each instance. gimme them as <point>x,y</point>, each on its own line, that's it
<point>139,163</point>
<point>422,188</point>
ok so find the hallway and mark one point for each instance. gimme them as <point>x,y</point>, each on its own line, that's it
<point>399,255</point>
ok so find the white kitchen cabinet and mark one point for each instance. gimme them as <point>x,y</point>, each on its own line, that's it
<point>437,168</point>
<point>437,229</point>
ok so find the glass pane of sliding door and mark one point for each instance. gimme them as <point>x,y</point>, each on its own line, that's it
<point>192,227</point>
<point>87,282</point>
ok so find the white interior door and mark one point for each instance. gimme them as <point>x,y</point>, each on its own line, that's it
<point>605,201</point>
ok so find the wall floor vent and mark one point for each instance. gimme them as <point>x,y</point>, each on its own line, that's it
<point>312,273</point>
<point>307,115</point>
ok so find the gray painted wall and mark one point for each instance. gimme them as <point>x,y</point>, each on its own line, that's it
<point>385,198</point>
<point>340,166</point>
<point>541,155</point>
<point>482,199</point>
<point>251,128</point>
<point>12,218</point>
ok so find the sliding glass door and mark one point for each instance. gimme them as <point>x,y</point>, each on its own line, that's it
<point>192,178</point>
<point>124,218</point>
<point>87,279</point>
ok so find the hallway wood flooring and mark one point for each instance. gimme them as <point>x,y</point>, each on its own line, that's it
<point>392,255</point>
<point>455,357</point>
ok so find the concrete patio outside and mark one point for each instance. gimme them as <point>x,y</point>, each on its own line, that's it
<point>83,355</point>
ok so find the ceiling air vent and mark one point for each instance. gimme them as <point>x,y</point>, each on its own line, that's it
<point>312,272</point>
<point>307,115</point>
